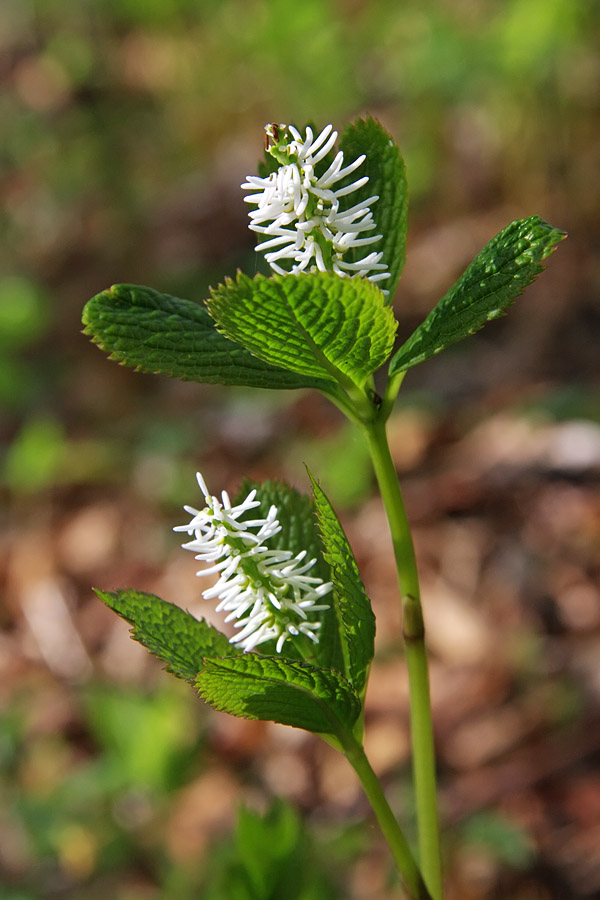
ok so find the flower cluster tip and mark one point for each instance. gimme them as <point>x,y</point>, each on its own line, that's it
<point>298,212</point>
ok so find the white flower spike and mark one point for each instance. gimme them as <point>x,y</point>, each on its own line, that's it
<point>298,211</point>
<point>266,593</point>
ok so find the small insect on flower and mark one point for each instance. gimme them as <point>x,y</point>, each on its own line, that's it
<point>266,592</point>
<point>272,134</point>
<point>298,210</point>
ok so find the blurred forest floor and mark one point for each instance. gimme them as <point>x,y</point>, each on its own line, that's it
<point>127,129</point>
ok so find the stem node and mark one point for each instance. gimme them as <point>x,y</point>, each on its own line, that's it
<point>413,626</point>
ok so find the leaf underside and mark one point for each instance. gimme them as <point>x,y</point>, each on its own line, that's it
<point>497,275</point>
<point>164,335</point>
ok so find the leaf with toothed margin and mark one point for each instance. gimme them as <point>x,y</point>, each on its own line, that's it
<point>168,632</point>
<point>350,600</point>
<point>280,690</point>
<point>385,169</point>
<point>318,325</point>
<point>154,332</point>
<point>497,275</point>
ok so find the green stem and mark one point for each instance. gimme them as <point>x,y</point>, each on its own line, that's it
<point>407,867</point>
<point>391,392</point>
<point>416,657</point>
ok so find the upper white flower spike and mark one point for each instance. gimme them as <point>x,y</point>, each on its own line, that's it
<point>299,213</point>
<point>267,592</point>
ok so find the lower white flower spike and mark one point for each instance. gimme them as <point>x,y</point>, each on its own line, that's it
<point>266,592</point>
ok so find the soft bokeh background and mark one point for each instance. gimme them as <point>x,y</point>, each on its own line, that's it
<point>126,129</point>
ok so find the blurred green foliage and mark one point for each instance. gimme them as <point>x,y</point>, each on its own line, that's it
<point>80,822</point>
<point>269,857</point>
<point>24,320</point>
<point>34,458</point>
<point>342,461</point>
<point>93,826</point>
<point>146,743</point>
<point>499,837</point>
<point>23,312</point>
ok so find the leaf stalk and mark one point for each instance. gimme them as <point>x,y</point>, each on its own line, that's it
<point>411,876</point>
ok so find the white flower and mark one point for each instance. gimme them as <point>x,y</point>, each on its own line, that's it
<point>266,592</point>
<point>299,212</point>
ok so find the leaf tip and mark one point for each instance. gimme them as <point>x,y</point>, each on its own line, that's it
<point>109,598</point>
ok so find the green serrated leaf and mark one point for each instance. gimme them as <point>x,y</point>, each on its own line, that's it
<point>169,632</point>
<point>497,275</point>
<point>319,325</point>
<point>387,179</point>
<point>164,335</point>
<point>296,513</point>
<point>356,614</point>
<point>280,690</point>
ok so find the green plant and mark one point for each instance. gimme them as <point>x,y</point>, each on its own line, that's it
<point>323,321</point>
